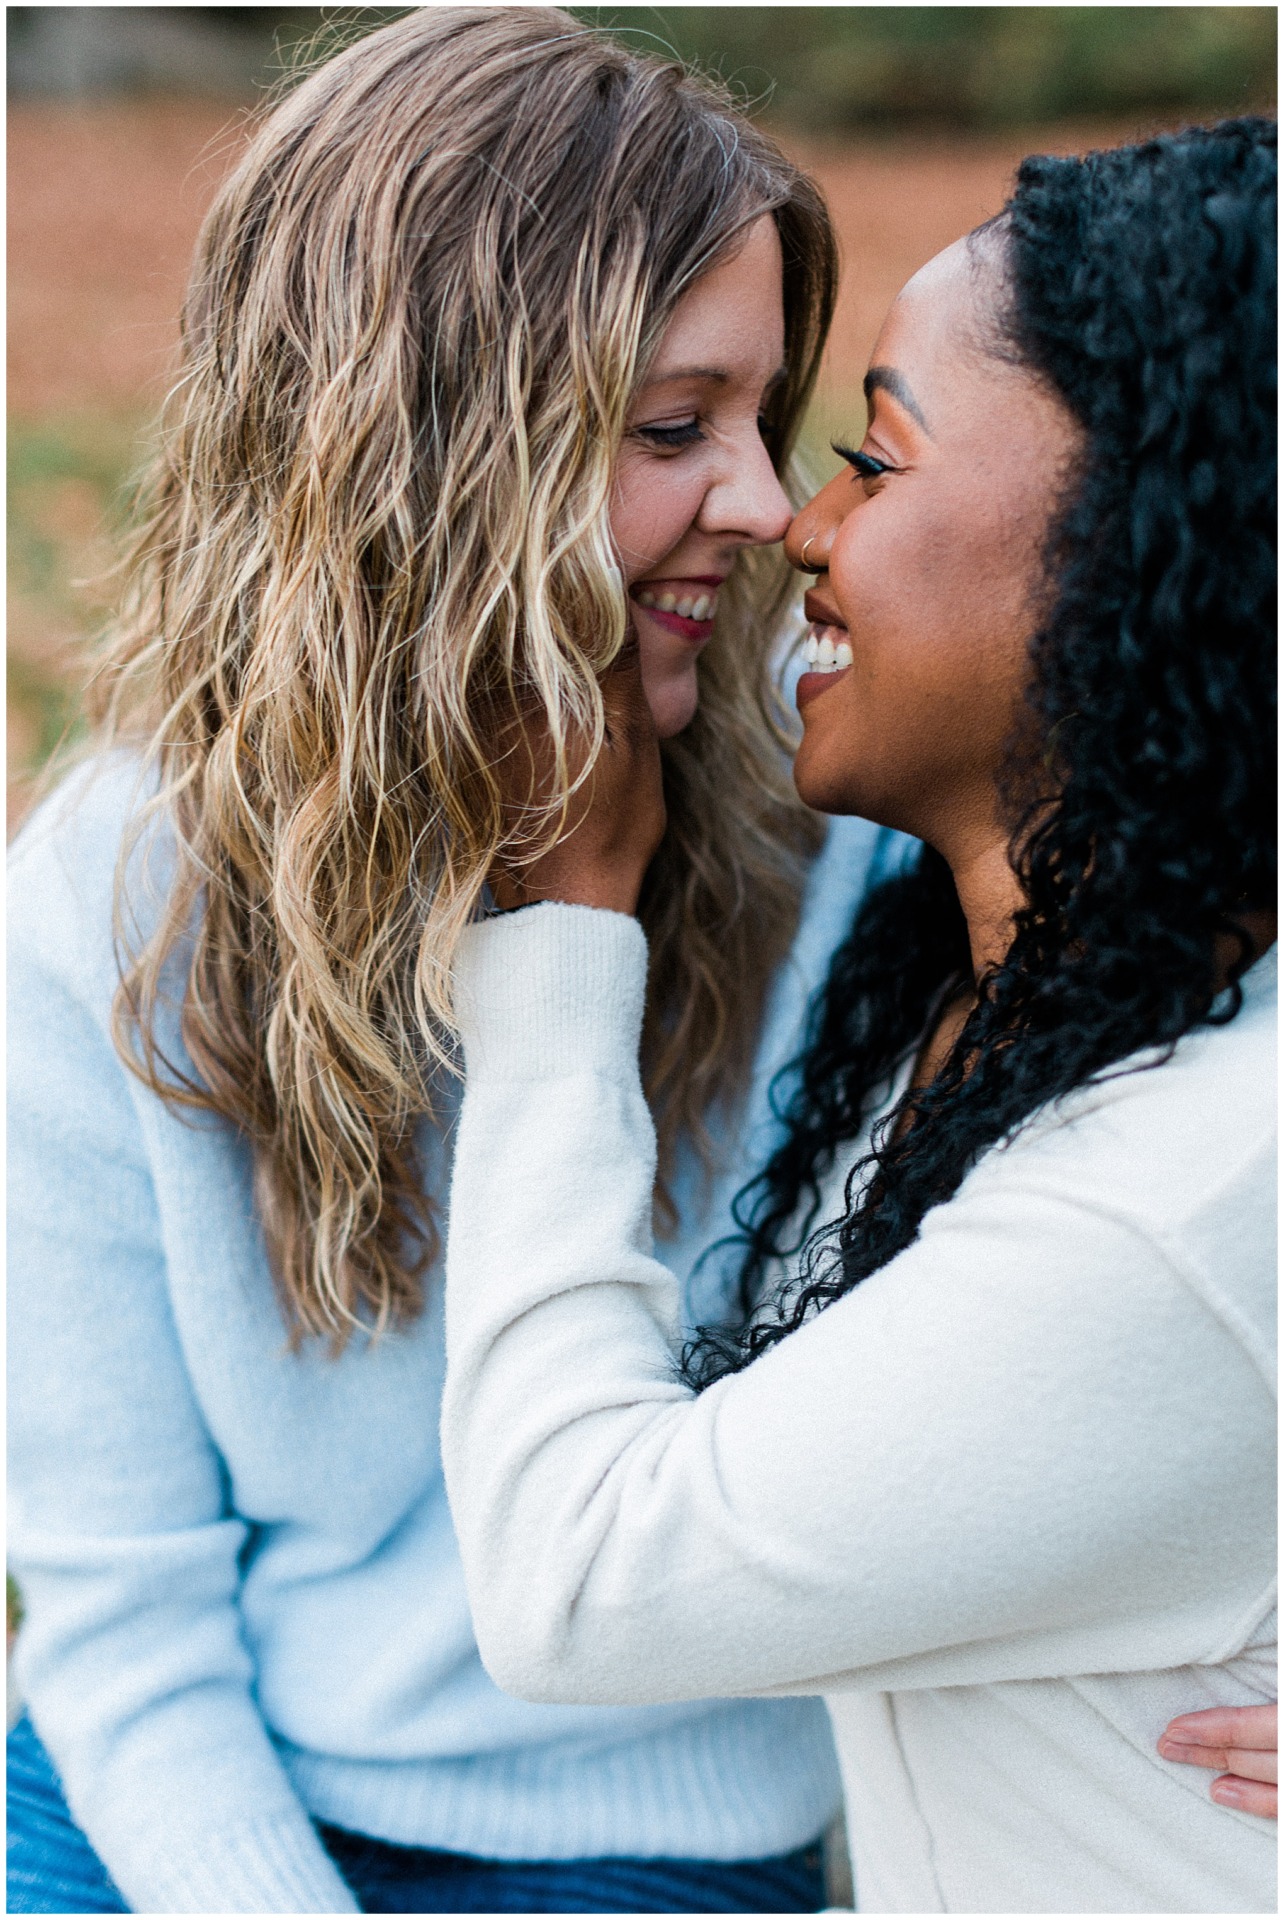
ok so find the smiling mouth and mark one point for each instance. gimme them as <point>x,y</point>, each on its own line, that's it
<point>688,599</point>
<point>684,607</point>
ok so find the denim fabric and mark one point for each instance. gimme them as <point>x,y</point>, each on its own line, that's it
<point>53,1869</point>
<point>51,1866</point>
<point>390,1879</point>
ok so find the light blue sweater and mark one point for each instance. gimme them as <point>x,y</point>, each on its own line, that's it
<point>244,1599</point>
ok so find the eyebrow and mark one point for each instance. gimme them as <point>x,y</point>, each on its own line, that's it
<point>899,387</point>
<point>718,374</point>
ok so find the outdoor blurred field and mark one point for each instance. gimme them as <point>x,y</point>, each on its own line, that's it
<point>106,195</point>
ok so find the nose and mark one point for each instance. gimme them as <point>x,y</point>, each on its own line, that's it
<point>811,532</point>
<point>747,501</point>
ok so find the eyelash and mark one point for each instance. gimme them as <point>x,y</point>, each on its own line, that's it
<point>685,435</point>
<point>688,433</point>
<point>864,463</point>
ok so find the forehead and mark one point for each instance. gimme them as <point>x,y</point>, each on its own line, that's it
<point>943,306</point>
<point>936,333</point>
<point>734,314</point>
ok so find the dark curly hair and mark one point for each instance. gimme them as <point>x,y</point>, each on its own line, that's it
<point>1141,283</point>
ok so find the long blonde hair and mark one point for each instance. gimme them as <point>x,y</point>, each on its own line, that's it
<point>419,309</point>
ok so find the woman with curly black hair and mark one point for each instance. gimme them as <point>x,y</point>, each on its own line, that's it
<point>988,1461</point>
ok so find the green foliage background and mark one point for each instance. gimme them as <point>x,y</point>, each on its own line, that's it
<point>836,69</point>
<point>840,69</point>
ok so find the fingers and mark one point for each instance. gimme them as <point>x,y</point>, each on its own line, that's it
<point>1249,1763</point>
<point>1240,1745</point>
<point>615,814</point>
<point>1248,1796</point>
<point>629,721</point>
<point>1253,1729</point>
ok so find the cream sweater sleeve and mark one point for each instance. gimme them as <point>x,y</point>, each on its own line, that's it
<point>1026,1448</point>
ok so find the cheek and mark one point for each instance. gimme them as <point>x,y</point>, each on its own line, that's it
<point>653,505</point>
<point>936,596</point>
<point>938,588</point>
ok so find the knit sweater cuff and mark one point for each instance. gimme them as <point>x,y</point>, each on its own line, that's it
<point>551,990</point>
<point>272,1864</point>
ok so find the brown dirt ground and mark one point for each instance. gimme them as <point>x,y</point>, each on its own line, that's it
<point>105,202</point>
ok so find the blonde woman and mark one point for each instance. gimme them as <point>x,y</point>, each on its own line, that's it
<point>469,342</point>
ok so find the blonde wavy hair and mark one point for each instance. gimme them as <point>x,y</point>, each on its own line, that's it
<point>378,518</point>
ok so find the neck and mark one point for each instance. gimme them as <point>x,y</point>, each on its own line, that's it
<point>1261,924</point>
<point>989,894</point>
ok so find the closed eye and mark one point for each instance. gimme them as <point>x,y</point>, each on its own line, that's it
<point>862,463</point>
<point>685,434</point>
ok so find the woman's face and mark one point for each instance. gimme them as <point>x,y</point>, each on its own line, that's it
<point>694,483</point>
<point>929,551</point>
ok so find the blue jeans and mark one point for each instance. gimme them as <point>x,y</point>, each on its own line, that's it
<point>53,1869</point>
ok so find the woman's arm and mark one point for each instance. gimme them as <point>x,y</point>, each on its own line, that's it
<point>977,1466</point>
<point>132,1655</point>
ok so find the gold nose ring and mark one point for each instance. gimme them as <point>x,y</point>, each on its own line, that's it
<point>807,567</point>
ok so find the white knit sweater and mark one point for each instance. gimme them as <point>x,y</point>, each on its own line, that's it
<point>1009,1505</point>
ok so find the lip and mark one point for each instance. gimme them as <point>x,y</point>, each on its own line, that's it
<point>819,611</point>
<point>695,632</point>
<point>811,685</point>
<point>683,580</point>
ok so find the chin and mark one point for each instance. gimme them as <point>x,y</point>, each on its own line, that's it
<point>829,788</point>
<point>673,701</point>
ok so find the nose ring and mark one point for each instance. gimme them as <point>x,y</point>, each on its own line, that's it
<point>807,568</point>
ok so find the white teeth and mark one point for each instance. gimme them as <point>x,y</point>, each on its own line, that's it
<point>827,649</point>
<point>700,606</point>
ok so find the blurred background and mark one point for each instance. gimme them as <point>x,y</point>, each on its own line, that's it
<point>123,120</point>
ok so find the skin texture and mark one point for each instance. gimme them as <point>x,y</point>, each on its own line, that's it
<point>933,569</point>
<point>695,484</point>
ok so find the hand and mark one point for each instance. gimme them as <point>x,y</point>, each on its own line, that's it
<point>616,819</point>
<point>1240,1744</point>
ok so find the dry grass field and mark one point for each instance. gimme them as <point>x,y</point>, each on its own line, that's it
<point>104,204</point>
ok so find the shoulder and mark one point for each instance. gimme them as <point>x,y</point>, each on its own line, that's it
<point>1179,1154</point>
<point>64,867</point>
<point>1166,1135</point>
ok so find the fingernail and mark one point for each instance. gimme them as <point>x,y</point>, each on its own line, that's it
<point>1227,1793</point>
